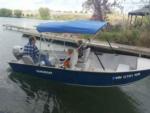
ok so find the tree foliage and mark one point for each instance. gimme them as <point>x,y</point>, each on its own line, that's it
<point>17,13</point>
<point>100,7</point>
<point>5,12</point>
<point>44,13</point>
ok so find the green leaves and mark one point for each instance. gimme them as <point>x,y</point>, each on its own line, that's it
<point>5,12</point>
<point>44,13</point>
<point>17,13</point>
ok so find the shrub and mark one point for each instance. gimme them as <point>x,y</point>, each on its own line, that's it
<point>111,36</point>
<point>128,36</point>
<point>146,23</point>
<point>131,36</point>
<point>144,39</point>
<point>138,36</point>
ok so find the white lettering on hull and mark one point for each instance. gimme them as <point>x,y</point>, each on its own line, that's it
<point>44,72</point>
<point>126,76</point>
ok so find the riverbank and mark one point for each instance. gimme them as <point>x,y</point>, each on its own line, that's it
<point>53,16</point>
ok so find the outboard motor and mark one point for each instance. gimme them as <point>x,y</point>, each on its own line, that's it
<point>18,52</point>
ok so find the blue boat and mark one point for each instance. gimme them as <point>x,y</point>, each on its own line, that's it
<point>94,70</point>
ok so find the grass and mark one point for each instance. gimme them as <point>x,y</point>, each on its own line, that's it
<point>69,17</point>
<point>128,36</point>
<point>62,17</point>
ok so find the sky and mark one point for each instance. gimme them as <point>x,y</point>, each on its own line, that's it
<point>64,5</point>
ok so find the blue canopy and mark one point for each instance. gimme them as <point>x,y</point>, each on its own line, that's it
<point>76,26</point>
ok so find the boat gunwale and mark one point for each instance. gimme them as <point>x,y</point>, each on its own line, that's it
<point>83,71</point>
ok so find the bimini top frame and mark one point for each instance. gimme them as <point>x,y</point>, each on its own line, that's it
<point>75,26</point>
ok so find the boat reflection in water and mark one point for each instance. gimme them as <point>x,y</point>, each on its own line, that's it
<point>44,96</point>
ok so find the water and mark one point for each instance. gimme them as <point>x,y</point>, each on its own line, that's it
<point>21,93</point>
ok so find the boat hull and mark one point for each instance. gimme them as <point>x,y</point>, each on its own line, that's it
<point>93,79</point>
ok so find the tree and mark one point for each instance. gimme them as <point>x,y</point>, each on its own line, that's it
<point>44,13</point>
<point>17,13</point>
<point>5,12</point>
<point>100,7</point>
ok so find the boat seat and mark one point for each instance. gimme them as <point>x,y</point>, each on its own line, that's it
<point>84,62</point>
<point>86,65</point>
<point>74,59</point>
<point>143,63</point>
<point>27,60</point>
<point>85,55</point>
<point>123,67</point>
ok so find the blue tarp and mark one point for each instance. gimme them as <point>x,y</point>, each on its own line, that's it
<point>76,26</point>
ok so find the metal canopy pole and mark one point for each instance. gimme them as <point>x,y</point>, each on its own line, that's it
<point>100,61</point>
<point>110,45</point>
<point>97,55</point>
<point>40,49</point>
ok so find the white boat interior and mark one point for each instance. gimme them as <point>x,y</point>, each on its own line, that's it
<point>120,63</point>
<point>103,62</point>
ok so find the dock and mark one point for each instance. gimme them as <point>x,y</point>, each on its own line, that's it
<point>72,40</point>
<point>14,27</point>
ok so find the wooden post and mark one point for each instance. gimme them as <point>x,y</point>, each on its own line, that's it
<point>128,18</point>
<point>135,19</point>
<point>131,20</point>
<point>141,20</point>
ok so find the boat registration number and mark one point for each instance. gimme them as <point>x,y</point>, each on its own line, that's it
<point>126,76</point>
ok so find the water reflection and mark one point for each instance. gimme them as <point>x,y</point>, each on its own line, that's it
<point>48,97</point>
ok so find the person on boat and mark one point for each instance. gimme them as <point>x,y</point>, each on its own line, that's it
<point>81,47</point>
<point>31,49</point>
<point>67,63</point>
